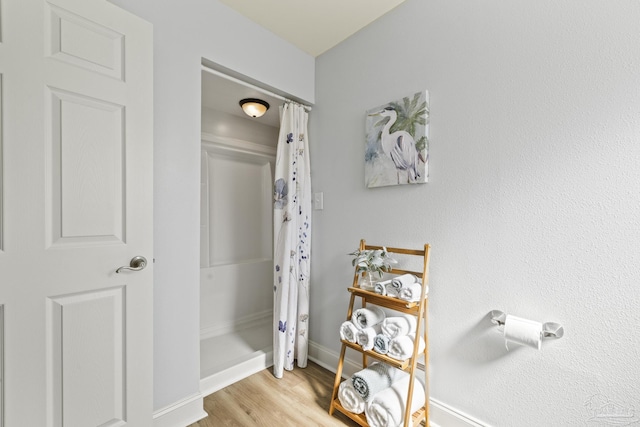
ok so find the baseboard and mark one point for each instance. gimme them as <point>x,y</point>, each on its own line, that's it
<point>328,359</point>
<point>440,414</point>
<point>182,413</point>
<point>235,325</point>
<point>253,364</point>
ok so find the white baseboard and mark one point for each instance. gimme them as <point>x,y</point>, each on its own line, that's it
<point>236,325</point>
<point>445,416</point>
<point>440,414</point>
<point>182,413</point>
<point>255,363</point>
<point>328,359</point>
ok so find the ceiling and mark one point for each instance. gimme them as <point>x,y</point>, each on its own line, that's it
<point>312,26</point>
<point>222,94</point>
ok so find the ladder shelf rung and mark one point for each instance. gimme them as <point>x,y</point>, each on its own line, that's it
<point>400,364</point>
<point>416,418</point>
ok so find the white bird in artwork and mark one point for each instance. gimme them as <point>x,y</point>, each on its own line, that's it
<point>399,145</point>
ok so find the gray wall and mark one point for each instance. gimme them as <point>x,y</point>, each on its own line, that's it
<point>184,33</point>
<point>532,203</point>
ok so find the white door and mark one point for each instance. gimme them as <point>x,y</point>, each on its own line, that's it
<point>76,193</point>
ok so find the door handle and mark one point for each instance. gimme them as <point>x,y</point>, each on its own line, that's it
<point>137,263</point>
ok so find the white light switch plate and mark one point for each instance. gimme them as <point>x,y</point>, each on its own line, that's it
<point>318,201</point>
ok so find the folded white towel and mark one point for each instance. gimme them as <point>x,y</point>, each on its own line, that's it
<point>374,378</point>
<point>381,287</point>
<point>365,336</point>
<point>387,408</point>
<point>369,316</point>
<point>403,280</point>
<point>397,326</point>
<point>348,331</point>
<point>401,348</point>
<point>412,292</point>
<point>349,397</point>
<point>381,344</point>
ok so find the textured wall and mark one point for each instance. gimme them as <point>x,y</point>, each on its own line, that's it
<point>532,205</point>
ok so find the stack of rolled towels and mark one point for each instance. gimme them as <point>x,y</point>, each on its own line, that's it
<point>397,337</point>
<point>362,328</point>
<point>393,336</point>
<point>406,287</point>
<point>381,392</point>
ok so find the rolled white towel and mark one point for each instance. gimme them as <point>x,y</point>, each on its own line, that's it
<point>401,348</point>
<point>369,316</point>
<point>387,408</point>
<point>349,397</point>
<point>381,287</point>
<point>374,378</point>
<point>381,344</point>
<point>412,292</point>
<point>403,280</point>
<point>397,326</point>
<point>348,331</point>
<point>365,336</point>
<point>391,291</point>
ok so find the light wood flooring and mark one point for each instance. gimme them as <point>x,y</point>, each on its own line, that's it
<point>300,399</point>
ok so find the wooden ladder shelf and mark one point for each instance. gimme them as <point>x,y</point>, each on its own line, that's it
<point>418,309</point>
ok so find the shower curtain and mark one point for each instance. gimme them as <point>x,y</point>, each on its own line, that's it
<point>292,241</point>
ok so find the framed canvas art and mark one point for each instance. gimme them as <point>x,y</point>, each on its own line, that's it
<point>397,144</point>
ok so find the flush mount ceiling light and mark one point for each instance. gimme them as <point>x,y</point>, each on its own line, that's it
<point>254,107</point>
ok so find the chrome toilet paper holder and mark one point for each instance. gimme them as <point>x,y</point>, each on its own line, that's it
<point>549,329</point>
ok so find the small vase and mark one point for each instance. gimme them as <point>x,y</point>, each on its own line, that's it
<point>367,281</point>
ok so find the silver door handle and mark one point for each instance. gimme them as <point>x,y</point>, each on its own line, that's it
<point>137,263</point>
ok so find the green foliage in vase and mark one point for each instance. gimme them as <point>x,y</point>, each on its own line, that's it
<point>372,260</point>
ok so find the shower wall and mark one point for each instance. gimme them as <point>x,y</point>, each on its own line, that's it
<point>236,223</point>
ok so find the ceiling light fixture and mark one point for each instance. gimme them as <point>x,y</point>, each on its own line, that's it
<point>254,107</point>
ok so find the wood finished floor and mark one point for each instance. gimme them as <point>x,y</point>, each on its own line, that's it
<point>300,399</point>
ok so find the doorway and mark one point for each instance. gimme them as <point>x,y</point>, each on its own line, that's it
<point>236,280</point>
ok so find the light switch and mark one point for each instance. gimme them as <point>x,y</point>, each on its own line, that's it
<point>318,201</point>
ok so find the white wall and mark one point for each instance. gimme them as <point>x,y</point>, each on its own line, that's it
<point>532,204</point>
<point>184,33</point>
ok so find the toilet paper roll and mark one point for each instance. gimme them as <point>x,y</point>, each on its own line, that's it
<point>523,332</point>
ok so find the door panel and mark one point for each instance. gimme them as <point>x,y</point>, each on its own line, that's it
<point>86,347</point>
<point>84,43</point>
<point>77,193</point>
<point>87,169</point>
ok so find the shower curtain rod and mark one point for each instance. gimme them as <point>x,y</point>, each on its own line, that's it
<point>250,86</point>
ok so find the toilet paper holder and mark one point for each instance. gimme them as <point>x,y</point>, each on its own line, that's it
<point>549,329</point>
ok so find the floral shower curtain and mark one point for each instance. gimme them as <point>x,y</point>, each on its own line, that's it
<point>292,241</point>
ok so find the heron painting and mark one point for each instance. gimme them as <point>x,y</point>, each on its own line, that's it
<point>397,145</point>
